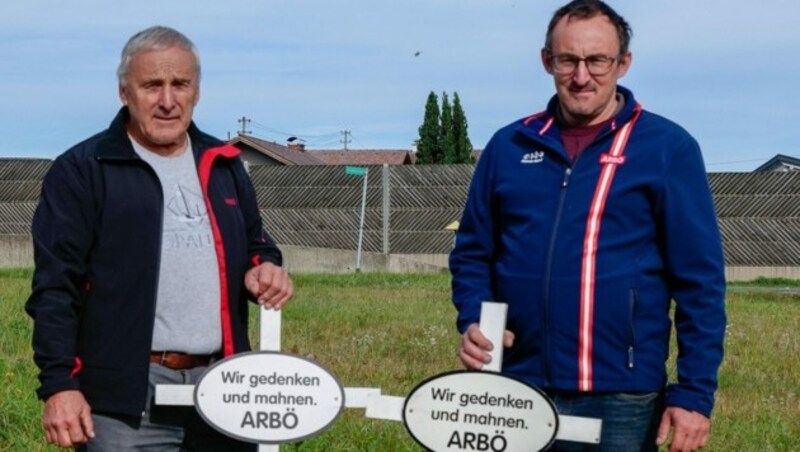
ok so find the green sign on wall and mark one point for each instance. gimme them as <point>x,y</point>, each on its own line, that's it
<point>355,170</point>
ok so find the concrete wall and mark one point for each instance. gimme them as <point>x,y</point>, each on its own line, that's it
<point>17,251</point>
<point>751,273</point>
<point>324,260</point>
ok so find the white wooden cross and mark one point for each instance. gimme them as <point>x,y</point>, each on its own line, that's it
<point>492,325</point>
<point>269,340</point>
<point>378,406</point>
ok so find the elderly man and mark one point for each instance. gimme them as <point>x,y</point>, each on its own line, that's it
<point>148,243</point>
<point>588,219</point>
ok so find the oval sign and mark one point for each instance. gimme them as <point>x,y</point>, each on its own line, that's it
<point>268,397</point>
<point>469,410</point>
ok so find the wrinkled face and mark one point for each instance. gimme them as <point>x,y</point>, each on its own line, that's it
<point>161,91</point>
<point>586,99</point>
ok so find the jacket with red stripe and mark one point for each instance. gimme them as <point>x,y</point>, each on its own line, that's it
<point>589,259</point>
<point>97,242</point>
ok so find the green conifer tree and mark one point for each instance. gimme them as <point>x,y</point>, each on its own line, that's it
<point>462,143</point>
<point>429,145</point>
<point>446,136</point>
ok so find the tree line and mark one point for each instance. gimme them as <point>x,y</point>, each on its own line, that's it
<point>443,136</point>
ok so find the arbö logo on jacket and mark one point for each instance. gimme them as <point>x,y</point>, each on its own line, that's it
<point>533,157</point>
<point>612,159</point>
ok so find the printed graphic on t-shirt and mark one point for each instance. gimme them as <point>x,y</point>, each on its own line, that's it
<point>187,224</point>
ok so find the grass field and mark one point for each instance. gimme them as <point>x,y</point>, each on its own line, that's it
<point>393,331</point>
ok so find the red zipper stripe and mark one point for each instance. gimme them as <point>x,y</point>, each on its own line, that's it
<point>548,123</point>
<point>589,262</point>
<point>527,121</point>
<point>204,172</point>
<point>547,126</point>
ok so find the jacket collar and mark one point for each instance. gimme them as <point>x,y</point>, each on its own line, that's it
<point>117,146</point>
<point>542,126</point>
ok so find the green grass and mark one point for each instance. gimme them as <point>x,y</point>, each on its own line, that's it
<point>20,412</point>
<point>767,282</point>
<point>759,399</point>
<point>393,331</point>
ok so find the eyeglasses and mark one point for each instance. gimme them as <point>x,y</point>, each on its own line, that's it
<point>567,64</point>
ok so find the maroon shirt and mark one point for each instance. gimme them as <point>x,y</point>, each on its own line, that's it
<point>576,139</point>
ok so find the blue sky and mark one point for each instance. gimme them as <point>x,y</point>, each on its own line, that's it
<point>728,71</point>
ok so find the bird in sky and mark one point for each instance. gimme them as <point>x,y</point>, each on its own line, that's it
<point>416,54</point>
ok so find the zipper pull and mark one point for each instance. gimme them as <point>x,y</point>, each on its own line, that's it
<point>630,357</point>
<point>565,182</point>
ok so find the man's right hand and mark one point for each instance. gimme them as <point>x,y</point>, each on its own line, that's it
<point>68,419</point>
<point>474,347</point>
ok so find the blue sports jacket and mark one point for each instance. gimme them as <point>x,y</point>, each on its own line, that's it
<point>588,256</point>
<point>97,245</point>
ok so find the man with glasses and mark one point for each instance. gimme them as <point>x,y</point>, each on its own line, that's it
<point>587,219</point>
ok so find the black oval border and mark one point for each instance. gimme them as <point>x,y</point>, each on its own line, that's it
<point>453,372</point>
<point>250,440</point>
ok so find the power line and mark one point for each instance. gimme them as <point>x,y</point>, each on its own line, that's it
<point>354,140</point>
<point>323,144</point>
<point>290,134</point>
<point>731,162</point>
<point>270,129</point>
<point>308,144</point>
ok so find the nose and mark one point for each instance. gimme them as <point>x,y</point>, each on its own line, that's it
<point>581,74</point>
<point>166,99</point>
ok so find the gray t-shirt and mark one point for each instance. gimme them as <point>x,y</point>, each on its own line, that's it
<point>188,311</point>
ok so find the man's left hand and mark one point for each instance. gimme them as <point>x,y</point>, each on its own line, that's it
<point>689,429</point>
<point>269,284</point>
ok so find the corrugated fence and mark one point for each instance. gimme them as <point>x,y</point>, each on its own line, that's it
<point>20,181</point>
<point>408,207</point>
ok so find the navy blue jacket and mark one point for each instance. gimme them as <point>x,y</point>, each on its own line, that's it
<point>588,255</point>
<point>97,242</point>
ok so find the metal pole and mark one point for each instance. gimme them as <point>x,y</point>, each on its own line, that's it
<point>361,226</point>
<point>386,207</point>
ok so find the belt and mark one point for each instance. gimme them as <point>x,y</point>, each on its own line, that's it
<point>179,361</point>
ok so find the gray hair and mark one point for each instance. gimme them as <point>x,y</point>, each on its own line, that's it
<point>154,38</point>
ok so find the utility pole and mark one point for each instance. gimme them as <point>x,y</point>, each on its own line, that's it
<point>346,140</point>
<point>244,121</point>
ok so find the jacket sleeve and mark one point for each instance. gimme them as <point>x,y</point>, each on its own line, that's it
<point>62,236</point>
<point>260,246</point>
<point>471,259</point>
<point>696,274</point>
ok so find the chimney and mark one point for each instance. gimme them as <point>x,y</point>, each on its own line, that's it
<point>297,147</point>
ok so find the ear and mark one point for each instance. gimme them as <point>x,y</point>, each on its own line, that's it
<point>546,61</point>
<point>197,96</point>
<point>624,64</point>
<point>123,95</point>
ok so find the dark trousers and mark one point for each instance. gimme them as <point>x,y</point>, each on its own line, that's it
<point>630,421</point>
